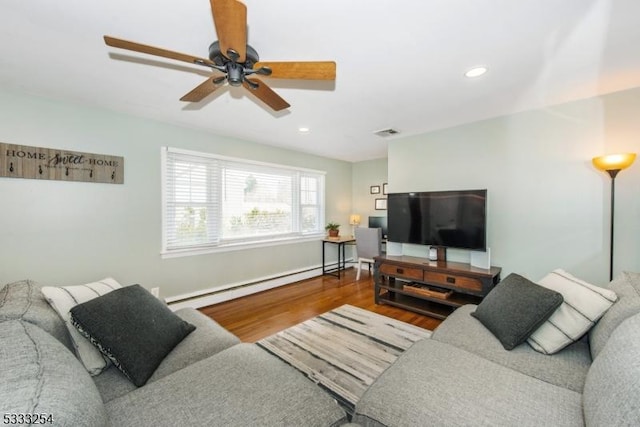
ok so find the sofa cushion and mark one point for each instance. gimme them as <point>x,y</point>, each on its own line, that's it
<point>434,383</point>
<point>515,308</point>
<point>567,368</point>
<point>133,328</point>
<point>627,287</point>
<point>208,339</point>
<point>23,300</point>
<point>241,386</point>
<point>63,299</point>
<point>39,375</point>
<point>583,305</point>
<point>612,388</point>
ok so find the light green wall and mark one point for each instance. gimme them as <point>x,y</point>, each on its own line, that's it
<point>366,174</point>
<point>548,206</point>
<point>71,233</point>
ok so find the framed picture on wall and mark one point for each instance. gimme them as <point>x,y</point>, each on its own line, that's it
<point>374,189</point>
<point>381,204</point>
<point>384,188</point>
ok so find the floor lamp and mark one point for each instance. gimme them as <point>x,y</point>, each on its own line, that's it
<point>612,164</point>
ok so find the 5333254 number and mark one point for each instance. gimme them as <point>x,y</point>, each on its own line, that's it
<point>19,418</point>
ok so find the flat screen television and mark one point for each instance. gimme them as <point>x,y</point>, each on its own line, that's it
<point>379,222</point>
<point>453,219</point>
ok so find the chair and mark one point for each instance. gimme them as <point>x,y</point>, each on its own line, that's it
<point>368,245</point>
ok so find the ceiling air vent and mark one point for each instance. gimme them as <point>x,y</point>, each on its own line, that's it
<point>386,132</point>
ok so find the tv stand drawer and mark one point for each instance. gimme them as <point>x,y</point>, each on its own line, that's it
<point>402,272</point>
<point>451,280</point>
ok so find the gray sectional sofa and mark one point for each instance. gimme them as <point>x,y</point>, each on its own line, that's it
<point>461,376</point>
<point>210,378</point>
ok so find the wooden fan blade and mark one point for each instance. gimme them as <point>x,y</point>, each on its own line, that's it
<point>137,47</point>
<point>266,95</point>
<point>318,70</point>
<point>230,18</point>
<point>202,90</point>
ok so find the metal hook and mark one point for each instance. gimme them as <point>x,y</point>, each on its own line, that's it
<point>11,167</point>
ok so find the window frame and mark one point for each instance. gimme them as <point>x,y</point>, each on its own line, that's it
<point>224,245</point>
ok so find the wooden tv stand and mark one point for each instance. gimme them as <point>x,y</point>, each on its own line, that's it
<point>433,288</point>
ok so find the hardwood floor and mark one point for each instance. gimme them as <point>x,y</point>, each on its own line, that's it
<point>259,315</point>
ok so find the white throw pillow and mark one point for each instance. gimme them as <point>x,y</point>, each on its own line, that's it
<point>583,305</point>
<point>63,299</point>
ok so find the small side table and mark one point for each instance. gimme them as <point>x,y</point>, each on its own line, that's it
<point>341,241</point>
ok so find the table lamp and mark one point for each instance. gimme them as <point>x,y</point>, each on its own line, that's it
<point>354,220</point>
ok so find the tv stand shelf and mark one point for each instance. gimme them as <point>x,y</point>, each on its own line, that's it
<point>449,285</point>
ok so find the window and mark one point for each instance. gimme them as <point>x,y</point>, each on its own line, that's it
<point>217,203</point>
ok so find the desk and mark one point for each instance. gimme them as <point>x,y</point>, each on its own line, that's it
<point>341,241</point>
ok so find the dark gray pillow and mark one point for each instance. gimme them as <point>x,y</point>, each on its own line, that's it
<point>133,328</point>
<point>515,308</point>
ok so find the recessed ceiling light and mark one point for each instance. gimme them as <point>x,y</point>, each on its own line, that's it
<point>303,129</point>
<point>476,72</point>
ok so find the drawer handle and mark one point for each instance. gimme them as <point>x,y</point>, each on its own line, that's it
<point>400,270</point>
<point>451,279</point>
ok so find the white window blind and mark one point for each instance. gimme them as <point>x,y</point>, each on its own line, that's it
<point>215,202</point>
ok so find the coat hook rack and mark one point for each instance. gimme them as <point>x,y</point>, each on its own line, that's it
<point>28,162</point>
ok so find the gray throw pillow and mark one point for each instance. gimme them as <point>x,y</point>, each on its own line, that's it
<point>131,327</point>
<point>515,308</point>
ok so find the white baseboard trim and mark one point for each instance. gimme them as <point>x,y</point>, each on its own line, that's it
<point>232,291</point>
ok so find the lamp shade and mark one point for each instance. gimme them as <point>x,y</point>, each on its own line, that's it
<point>354,219</point>
<point>614,161</point>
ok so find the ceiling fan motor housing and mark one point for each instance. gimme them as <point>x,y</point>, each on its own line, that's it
<point>220,59</point>
<point>235,70</point>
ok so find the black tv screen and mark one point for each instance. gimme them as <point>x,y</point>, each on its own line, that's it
<point>454,219</point>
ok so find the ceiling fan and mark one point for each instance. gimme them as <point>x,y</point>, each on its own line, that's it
<point>233,60</point>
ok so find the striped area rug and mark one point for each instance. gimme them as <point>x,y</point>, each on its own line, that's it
<point>344,350</point>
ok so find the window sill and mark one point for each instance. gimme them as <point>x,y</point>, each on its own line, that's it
<point>229,247</point>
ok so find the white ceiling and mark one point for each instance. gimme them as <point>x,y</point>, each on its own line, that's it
<point>400,63</point>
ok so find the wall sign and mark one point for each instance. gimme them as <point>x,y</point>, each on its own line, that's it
<point>21,161</point>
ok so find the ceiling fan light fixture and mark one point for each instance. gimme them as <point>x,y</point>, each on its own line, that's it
<point>235,74</point>
<point>475,72</point>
